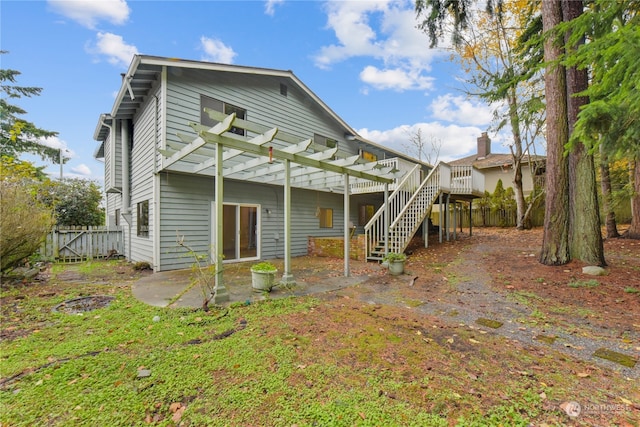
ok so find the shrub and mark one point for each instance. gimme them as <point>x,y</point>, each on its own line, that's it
<point>265,267</point>
<point>24,221</point>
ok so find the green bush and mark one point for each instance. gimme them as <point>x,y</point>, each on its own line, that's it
<point>24,221</point>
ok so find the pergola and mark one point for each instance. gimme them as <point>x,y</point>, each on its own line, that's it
<point>270,156</point>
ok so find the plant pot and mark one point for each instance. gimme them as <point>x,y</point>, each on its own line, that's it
<point>396,268</point>
<point>263,280</point>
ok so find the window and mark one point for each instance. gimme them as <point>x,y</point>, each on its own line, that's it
<point>117,218</point>
<point>323,140</point>
<point>223,107</point>
<point>367,156</point>
<point>143,219</point>
<point>283,89</point>
<point>326,218</point>
<point>365,213</point>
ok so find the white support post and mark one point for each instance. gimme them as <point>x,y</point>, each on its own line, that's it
<point>425,231</point>
<point>347,231</point>
<point>455,219</point>
<point>287,276</point>
<point>386,219</point>
<point>221,292</point>
<point>447,215</point>
<point>470,218</point>
<point>441,218</point>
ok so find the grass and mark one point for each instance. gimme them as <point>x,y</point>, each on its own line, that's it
<point>303,361</point>
<point>592,283</point>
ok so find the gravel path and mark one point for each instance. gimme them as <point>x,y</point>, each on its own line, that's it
<point>474,299</point>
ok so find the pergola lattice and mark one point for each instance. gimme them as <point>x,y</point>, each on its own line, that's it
<point>274,157</point>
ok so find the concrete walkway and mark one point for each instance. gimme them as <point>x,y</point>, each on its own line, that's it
<point>160,289</point>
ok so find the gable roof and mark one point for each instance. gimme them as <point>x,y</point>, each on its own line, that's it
<point>144,70</point>
<point>492,160</point>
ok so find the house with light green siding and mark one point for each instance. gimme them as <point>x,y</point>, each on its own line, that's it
<point>246,163</point>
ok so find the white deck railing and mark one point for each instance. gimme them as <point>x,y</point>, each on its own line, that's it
<point>375,228</point>
<point>360,186</point>
<point>412,200</point>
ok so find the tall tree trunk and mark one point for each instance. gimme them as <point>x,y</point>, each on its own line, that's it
<point>634,229</point>
<point>516,155</point>
<point>555,240</point>
<point>585,236</point>
<point>607,197</point>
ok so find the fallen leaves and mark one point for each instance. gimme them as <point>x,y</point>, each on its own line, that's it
<point>177,408</point>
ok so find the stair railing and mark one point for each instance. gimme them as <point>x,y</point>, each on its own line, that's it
<point>418,206</point>
<point>375,229</point>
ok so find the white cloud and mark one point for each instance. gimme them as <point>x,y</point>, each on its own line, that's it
<point>57,143</point>
<point>216,51</point>
<point>459,109</point>
<point>81,169</point>
<point>396,79</point>
<point>114,48</point>
<point>270,5</point>
<point>457,141</point>
<point>89,12</point>
<point>385,31</point>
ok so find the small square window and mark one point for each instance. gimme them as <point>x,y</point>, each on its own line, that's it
<point>326,218</point>
<point>283,89</point>
<point>368,156</point>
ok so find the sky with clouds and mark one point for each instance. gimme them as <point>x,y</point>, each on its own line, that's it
<point>365,59</point>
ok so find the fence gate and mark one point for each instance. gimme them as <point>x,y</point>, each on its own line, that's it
<point>82,243</point>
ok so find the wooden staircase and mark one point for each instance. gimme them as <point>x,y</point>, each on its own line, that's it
<point>392,227</point>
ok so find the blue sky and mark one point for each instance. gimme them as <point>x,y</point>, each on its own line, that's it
<point>365,59</point>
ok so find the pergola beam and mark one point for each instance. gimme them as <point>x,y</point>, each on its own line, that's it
<point>293,157</point>
<point>219,128</point>
<point>261,139</point>
<point>299,147</point>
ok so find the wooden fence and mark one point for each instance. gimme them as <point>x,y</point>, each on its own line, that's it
<point>502,218</point>
<point>70,244</point>
<point>488,218</point>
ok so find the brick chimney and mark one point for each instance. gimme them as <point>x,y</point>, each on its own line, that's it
<point>484,146</point>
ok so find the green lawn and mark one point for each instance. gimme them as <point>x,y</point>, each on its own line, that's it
<point>295,361</point>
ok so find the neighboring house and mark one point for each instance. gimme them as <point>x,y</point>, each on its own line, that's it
<point>496,167</point>
<point>289,168</point>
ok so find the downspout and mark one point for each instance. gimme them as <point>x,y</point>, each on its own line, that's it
<point>112,149</point>
<point>126,192</point>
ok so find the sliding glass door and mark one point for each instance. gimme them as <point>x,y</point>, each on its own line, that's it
<point>240,235</point>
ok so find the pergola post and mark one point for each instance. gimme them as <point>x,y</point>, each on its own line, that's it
<point>221,291</point>
<point>347,230</point>
<point>287,276</point>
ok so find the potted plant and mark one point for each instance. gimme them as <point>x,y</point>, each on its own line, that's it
<point>263,276</point>
<point>395,261</point>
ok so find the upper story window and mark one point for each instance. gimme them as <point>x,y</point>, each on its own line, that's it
<point>223,107</point>
<point>283,89</point>
<point>326,141</point>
